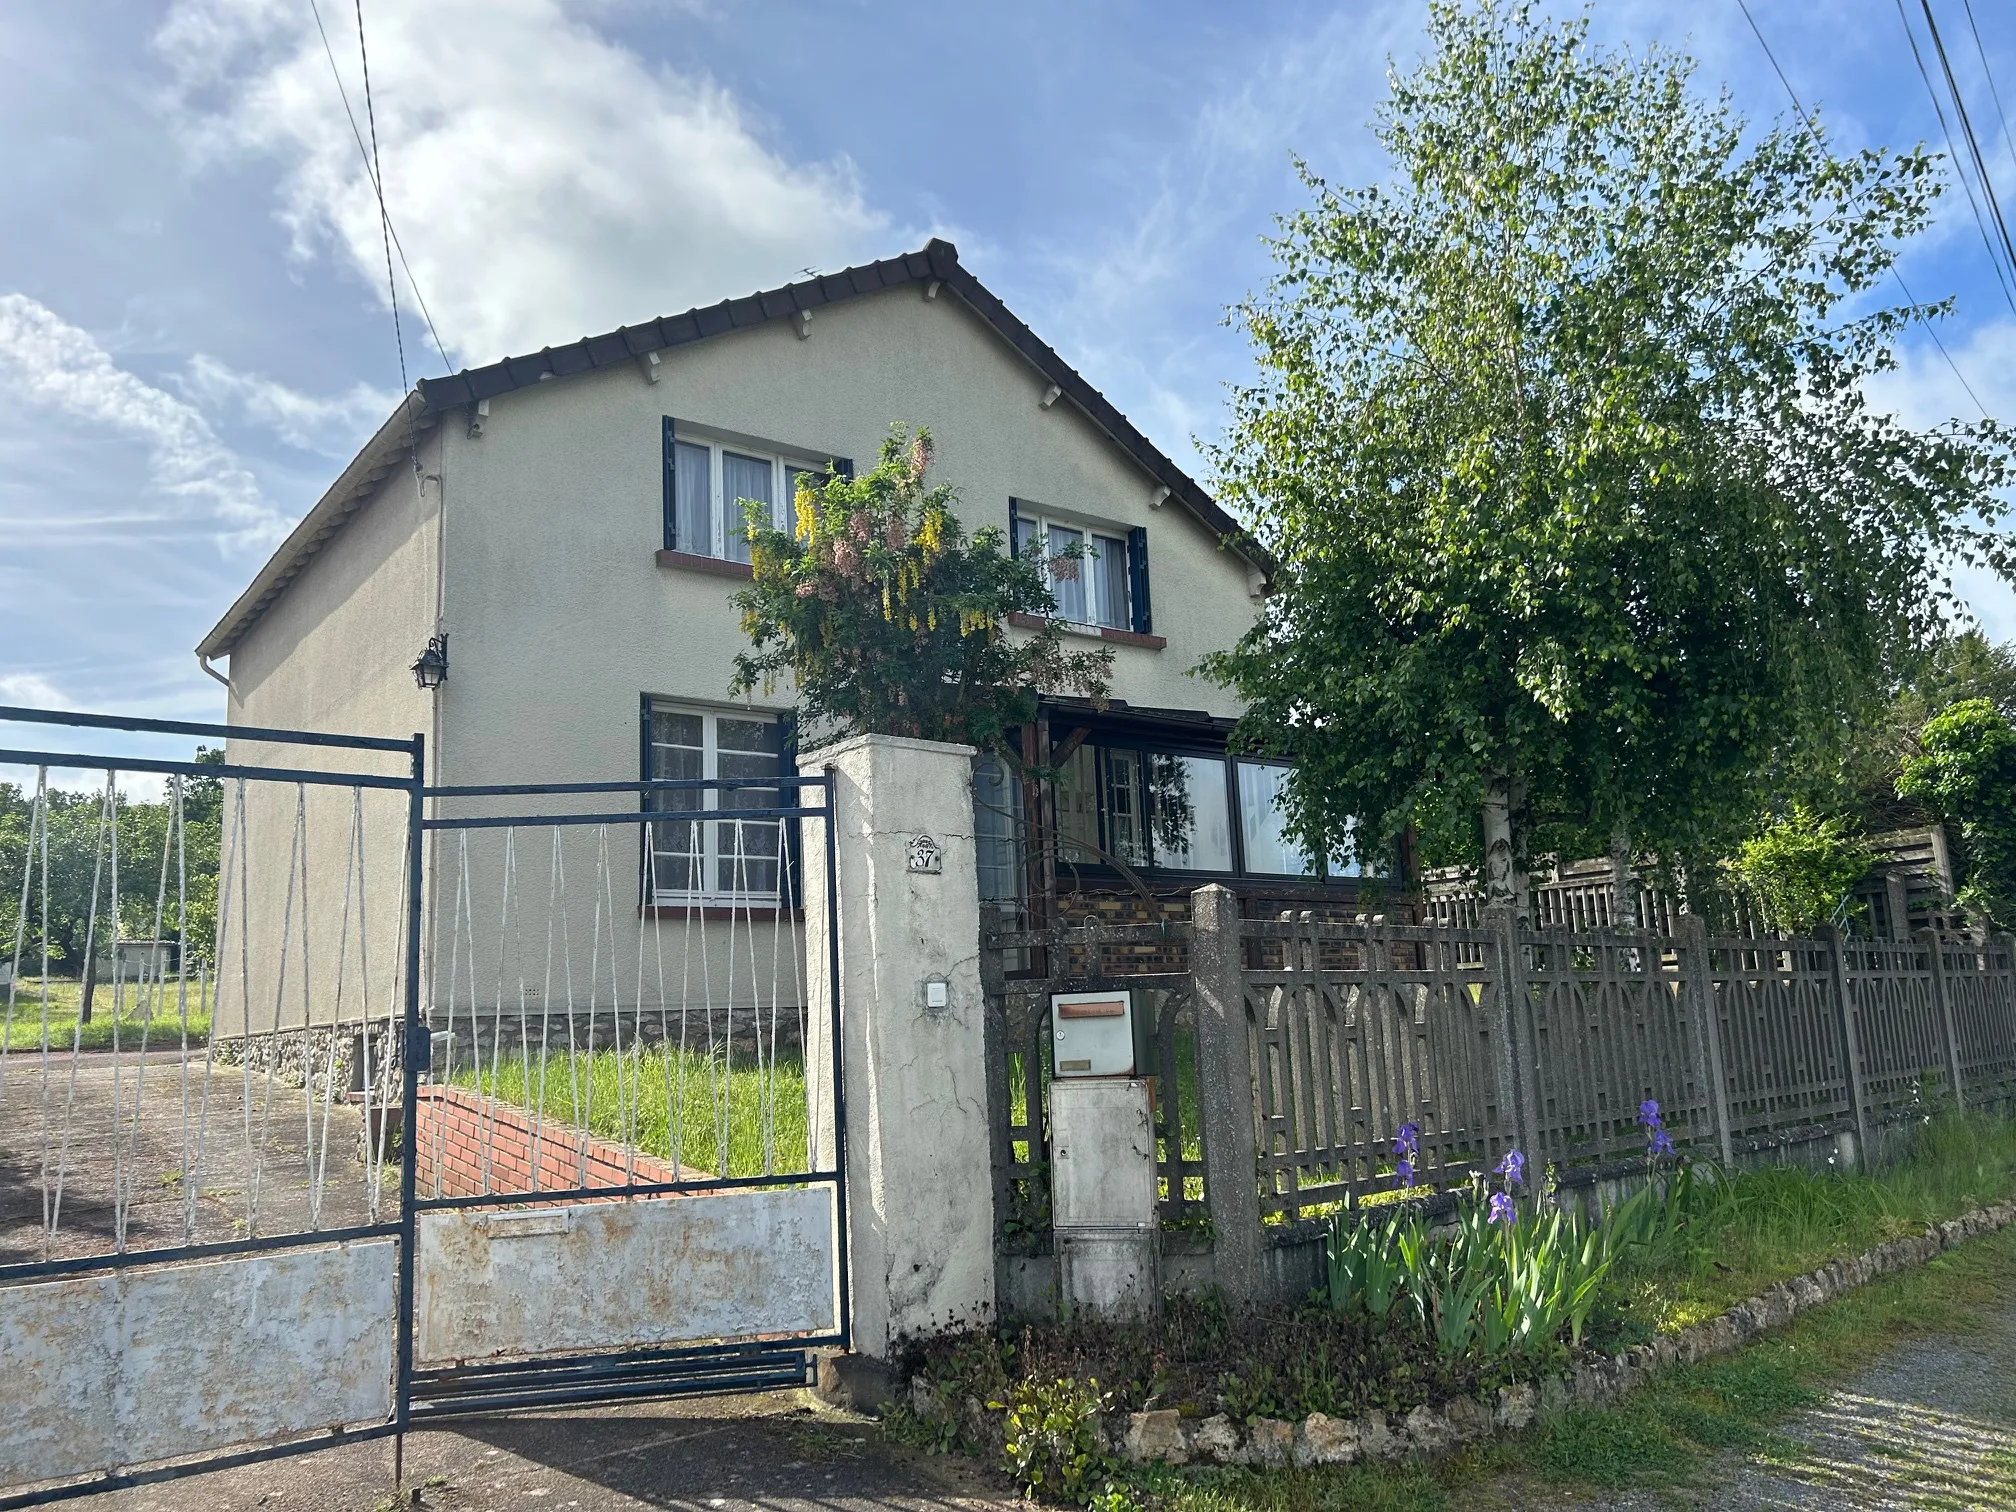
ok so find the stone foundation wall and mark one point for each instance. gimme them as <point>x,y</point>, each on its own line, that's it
<point>300,1057</point>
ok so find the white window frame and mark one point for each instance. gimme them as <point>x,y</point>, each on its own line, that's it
<point>711,895</point>
<point>782,463</point>
<point>1095,567</point>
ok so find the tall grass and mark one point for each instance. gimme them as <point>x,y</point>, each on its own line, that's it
<point>1755,1228</point>
<point>756,1114</point>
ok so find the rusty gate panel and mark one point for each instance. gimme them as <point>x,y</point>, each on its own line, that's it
<point>152,1364</point>
<point>646,1273</point>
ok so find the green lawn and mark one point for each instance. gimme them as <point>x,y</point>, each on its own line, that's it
<point>638,1094</point>
<point>165,1030</point>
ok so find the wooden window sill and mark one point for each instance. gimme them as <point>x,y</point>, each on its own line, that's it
<point>1105,633</point>
<point>686,561</point>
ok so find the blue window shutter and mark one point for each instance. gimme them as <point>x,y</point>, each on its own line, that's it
<point>646,799</point>
<point>844,466</point>
<point>671,511</point>
<point>1014,526</point>
<point>792,891</point>
<point>1137,579</point>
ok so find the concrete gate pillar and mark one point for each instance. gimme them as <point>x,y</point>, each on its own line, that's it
<point>920,1202</point>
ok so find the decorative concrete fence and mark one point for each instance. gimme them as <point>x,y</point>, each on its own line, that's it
<point>1291,1049</point>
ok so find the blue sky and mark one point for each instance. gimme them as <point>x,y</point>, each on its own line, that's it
<point>193,326</point>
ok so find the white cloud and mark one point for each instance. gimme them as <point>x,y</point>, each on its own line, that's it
<point>333,427</point>
<point>30,690</point>
<point>546,182</point>
<point>61,369</point>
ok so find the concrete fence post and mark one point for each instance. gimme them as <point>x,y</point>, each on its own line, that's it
<point>1697,973</point>
<point>920,1211</point>
<point>1518,1057</point>
<point>1942,998</point>
<point>1829,938</point>
<point>1225,1093</point>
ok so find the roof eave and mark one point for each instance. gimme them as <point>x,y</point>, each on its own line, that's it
<point>392,442</point>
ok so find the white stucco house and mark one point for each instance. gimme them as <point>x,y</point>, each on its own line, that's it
<point>566,519</point>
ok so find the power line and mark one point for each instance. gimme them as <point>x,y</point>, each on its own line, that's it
<point>1910,300</point>
<point>370,173</point>
<point>1959,169</point>
<point>1989,74</point>
<point>1967,130</point>
<point>384,215</point>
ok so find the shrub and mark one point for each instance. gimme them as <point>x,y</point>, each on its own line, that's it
<point>1800,870</point>
<point>890,620</point>
<point>1055,1445</point>
<point>1968,773</point>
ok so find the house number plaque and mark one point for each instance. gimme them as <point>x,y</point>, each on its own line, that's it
<point>926,855</point>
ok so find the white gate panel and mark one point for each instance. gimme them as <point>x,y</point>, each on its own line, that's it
<point>146,1365</point>
<point>639,1274</point>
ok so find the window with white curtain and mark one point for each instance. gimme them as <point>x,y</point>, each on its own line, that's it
<point>1088,569</point>
<point>712,485</point>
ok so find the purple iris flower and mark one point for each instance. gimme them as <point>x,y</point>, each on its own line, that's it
<point>1512,1168</point>
<point>1648,1113</point>
<point>1404,1169</point>
<point>1662,1143</point>
<point>1501,1210</point>
<point>1408,1141</point>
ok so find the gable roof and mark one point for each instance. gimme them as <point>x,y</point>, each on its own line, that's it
<point>936,262</point>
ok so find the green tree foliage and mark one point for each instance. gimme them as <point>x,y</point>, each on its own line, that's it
<point>1967,772</point>
<point>1560,440</point>
<point>80,857</point>
<point>891,621</point>
<point>1798,871</point>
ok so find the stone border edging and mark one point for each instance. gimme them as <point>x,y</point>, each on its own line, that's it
<point>1167,1436</point>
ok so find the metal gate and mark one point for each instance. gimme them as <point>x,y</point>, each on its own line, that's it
<point>625,1164</point>
<point>394,1102</point>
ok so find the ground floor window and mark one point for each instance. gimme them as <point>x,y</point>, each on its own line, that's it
<point>724,861</point>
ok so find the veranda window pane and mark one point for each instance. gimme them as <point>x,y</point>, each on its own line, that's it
<point>1261,823</point>
<point>692,499</point>
<point>1078,809</point>
<point>1126,819</point>
<point>1109,579</point>
<point>1067,574</point>
<point>741,478</point>
<point>1193,828</point>
<point>997,831</point>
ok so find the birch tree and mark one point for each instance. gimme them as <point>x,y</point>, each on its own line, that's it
<point>1561,439</point>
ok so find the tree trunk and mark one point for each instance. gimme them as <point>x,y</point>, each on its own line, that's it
<point>1623,884</point>
<point>1500,888</point>
<point>90,987</point>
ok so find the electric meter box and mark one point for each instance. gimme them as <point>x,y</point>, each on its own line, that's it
<point>1092,1033</point>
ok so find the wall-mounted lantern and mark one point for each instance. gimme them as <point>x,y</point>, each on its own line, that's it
<point>432,669</point>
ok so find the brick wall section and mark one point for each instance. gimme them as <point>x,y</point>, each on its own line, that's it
<point>456,1127</point>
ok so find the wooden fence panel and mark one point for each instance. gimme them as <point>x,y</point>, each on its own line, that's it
<point>1781,1035</point>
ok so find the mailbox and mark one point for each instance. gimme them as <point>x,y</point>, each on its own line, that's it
<point>1092,1033</point>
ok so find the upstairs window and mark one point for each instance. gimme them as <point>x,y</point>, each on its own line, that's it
<point>707,483</point>
<point>714,861</point>
<point>1098,575</point>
